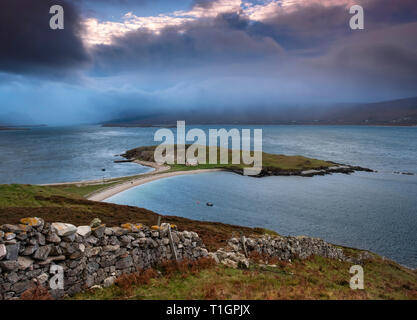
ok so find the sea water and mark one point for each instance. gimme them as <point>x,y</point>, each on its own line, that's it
<point>375,211</point>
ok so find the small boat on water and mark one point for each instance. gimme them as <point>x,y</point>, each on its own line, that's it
<point>209,204</point>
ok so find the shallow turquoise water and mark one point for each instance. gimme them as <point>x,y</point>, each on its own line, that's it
<point>364,210</point>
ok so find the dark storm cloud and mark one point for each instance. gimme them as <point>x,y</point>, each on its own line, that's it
<point>308,56</point>
<point>316,26</point>
<point>221,40</point>
<point>314,29</point>
<point>388,55</point>
<point>389,12</point>
<point>28,45</point>
<point>303,51</point>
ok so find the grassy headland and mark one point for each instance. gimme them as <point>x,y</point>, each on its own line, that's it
<point>271,163</point>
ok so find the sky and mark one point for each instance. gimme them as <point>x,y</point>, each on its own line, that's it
<point>122,58</point>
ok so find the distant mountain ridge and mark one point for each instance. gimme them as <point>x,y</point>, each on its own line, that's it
<point>402,112</point>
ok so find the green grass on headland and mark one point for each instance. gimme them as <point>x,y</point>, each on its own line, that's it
<point>25,195</point>
<point>270,162</point>
<point>20,195</point>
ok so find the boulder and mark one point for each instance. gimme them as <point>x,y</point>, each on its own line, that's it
<point>70,238</point>
<point>230,263</point>
<point>12,251</point>
<point>24,263</point>
<point>111,248</point>
<point>84,231</point>
<point>124,263</point>
<point>3,251</point>
<point>21,286</point>
<point>33,222</point>
<point>42,253</point>
<point>109,281</point>
<point>243,263</point>
<point>63,229</point>
<point>9,265</point>
<point>214,257</point>
<point>30,250</point>
<point>9,236</point>
<point>99,231</point>
<point>51,259</point>
<point>96,222</point>
<point>92,267</point>
<point>42,279</point>
<point>11,228</point>
<point>91,252</point>
<point>53,237</point>
<point>118,231</point>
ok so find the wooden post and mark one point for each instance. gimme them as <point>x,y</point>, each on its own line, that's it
<point>171,242</point>
<point>243,240</point>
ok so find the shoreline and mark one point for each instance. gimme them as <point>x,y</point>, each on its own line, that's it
<point>155,166</point>
<point>111,191</point>
<point>160,172</point>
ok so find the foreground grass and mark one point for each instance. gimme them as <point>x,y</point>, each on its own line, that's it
<point>25,195</point>
<point>314,278</point>
<point>19,195</point>
<point>22,195</point>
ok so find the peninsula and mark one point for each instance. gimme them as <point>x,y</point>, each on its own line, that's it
<point>272,165</point>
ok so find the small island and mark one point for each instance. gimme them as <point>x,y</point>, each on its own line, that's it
<point>272,164</point>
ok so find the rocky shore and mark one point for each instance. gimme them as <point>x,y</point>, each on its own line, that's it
<point>345,169</point>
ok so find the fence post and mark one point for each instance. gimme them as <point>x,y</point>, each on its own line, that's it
<point>243,240</point>
<point>171,242</point>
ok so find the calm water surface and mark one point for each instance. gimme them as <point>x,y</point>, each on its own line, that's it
<point>370,211</point>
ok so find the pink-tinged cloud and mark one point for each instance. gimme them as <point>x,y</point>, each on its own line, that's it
<point>101,32</point>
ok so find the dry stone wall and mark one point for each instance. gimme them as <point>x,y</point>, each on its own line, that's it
<point>35,252</point>
<point>287,248</point>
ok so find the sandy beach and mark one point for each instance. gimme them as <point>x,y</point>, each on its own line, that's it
<point>156,175</point>
<point>137,180</point>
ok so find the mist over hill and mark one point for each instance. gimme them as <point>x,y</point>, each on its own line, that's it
<point>402,112</point>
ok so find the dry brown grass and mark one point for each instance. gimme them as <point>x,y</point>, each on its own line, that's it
<point>37,292</point>
<point>186,267</point>
<point>263,258</point>
<point>126,282</point>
